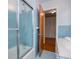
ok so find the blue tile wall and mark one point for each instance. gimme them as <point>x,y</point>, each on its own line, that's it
<point>26,28</point>
<point>12,38</point>
<point>11,19</point>
<point>12,34</point>
<point>64,30</point>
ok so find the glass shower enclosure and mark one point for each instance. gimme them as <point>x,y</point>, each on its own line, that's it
<point>20,28</point>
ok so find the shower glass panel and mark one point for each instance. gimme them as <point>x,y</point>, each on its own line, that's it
<point>12,29</point>
<point>25,28</point>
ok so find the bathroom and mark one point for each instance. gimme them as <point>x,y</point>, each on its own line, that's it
<point>23,29</point>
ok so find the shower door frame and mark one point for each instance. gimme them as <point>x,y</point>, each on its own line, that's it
<point>18,34</point>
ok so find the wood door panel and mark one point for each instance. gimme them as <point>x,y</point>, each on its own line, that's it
<point>50,44</point>
<point>41,28</point>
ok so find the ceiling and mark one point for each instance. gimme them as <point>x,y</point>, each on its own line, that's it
<point>44,1</point>
<point>49,13</point>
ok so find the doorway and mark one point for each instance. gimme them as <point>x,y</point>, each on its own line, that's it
<point>50,30</point>
<point>47,30</point>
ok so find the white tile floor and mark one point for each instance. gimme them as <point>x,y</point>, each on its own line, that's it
<point>64,58</point>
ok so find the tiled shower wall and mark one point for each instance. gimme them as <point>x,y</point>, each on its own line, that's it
<point>26,28</point>
<point>12,34</point>
<point>64,31</point>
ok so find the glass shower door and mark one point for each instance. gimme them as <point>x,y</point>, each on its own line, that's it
<point>25,28</point>
<point>20,30</point>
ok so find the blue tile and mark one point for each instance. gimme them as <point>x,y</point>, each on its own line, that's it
<point>26,29</point>
<point>12,19</point>
<point>12,38</point>
<point>64,31</point>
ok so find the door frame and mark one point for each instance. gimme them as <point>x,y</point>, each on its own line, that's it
<point>56,47</point>
<point>41,29</point>
<point>55,11</point>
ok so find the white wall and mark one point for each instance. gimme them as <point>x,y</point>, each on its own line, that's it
<point>63,10</point>
<point>12,5</point>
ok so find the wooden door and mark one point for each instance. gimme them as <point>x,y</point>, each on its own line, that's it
<point>45,43</point>
<point>41,29</point>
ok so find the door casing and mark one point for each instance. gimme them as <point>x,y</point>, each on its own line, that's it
<point>42,29</point>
